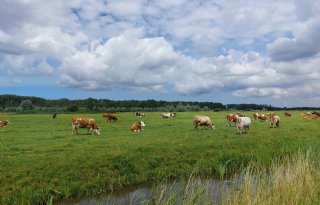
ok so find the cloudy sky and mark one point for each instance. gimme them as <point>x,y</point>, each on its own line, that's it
<point>237,51</point>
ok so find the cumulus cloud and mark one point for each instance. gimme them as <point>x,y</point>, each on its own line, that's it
<point>303,44</point>
<point>247,49</point>
<point>120,62</point>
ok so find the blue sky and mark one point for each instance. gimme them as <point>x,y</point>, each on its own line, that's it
<point>246,51</point>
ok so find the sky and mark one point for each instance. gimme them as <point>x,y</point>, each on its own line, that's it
<point>237,51</point>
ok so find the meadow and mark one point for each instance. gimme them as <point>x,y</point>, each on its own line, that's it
<point>40,160</point>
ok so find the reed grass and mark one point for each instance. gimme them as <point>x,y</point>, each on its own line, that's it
<point>293,180</point>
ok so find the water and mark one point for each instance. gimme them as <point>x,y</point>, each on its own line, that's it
<point>144,194</point>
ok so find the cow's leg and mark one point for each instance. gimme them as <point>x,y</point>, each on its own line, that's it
<point>72,129</point>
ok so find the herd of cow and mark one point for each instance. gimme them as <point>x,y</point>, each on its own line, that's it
<point>241,121</point>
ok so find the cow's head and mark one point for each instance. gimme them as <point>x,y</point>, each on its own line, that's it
<point>96,131</point>
<point>142,124</point>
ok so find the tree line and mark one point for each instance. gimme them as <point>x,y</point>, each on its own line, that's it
<point>30,104</point>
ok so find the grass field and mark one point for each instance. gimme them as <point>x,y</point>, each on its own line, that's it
<point>40,159</point>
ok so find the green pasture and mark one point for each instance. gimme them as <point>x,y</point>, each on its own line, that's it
<point>41,160</point>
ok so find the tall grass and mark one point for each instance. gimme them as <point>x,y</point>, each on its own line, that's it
<point>290,180</point>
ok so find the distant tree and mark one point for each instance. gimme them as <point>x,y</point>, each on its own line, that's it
<point>72,108</point>
<point>26,105</point>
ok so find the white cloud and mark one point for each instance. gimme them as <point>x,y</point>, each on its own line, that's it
<point>248,49</point>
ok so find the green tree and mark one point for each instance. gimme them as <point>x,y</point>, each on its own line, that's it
<point>72,108</point>
<point>26,105</point>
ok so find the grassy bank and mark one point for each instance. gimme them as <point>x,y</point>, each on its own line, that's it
<point>291,180</point>
<point>40,159</point>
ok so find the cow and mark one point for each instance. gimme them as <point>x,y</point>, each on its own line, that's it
<point>110,117</point>
<point>261,117</point>
<point>54,115</point>
<point>274,121</point>
<point>307,113</point>
<point>287,114</point>
<point>4,123</point>
<point>203,121</point>
<point>243,123</point>
<point>231,118</point>
<point>168,114</point>
<point>255,115</point>
<point>138,114</point>
<point>316,113</point>
<point>85,122</point>
<point>137,126</point>
<point>311,117</point>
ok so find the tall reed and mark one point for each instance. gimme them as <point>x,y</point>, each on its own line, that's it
<point>290,180</point>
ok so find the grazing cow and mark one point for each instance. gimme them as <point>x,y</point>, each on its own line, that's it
<point>85,122</point>
<point>316,113</point>
<point>110,117</point>
<point>203,121</point>
<point>261,117</point>
<point>4,123</point>
<point>138,114</point>
<point>255,115</point>
<point>274,121</point>
<point>168,114</point>
<point>243,123</point>
<point>311,117</point>
<point>287,114</point>
<point>231,118</point>
<point>137,126</point>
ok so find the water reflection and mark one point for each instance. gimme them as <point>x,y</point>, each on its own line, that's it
<point>211,189</point>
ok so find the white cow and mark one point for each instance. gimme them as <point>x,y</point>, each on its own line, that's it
<point>274,121</point>
<point>243,123</point>
<point>168,115</point>
<point>203,121</point>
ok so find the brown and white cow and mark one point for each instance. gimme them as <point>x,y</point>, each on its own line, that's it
<point>261,117</point>
<point>274,121</point>
<point>231,118</point>
<point>255,115</point>
<point>4,123</point>
<point>110,117</point>
<point>137,126</point>
<point>168,114</point>
<point>85,122</point>
<point>311,117</point>
<point>316,113</point>
<point>138,114</point>
<point>203,121</point>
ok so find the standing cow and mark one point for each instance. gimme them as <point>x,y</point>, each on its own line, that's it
<point>203,121</point>
<point>85,122</point>
<point>231,118</point>
<point>137,126</point>
<point>243,123</point>
<point>274,121</point>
